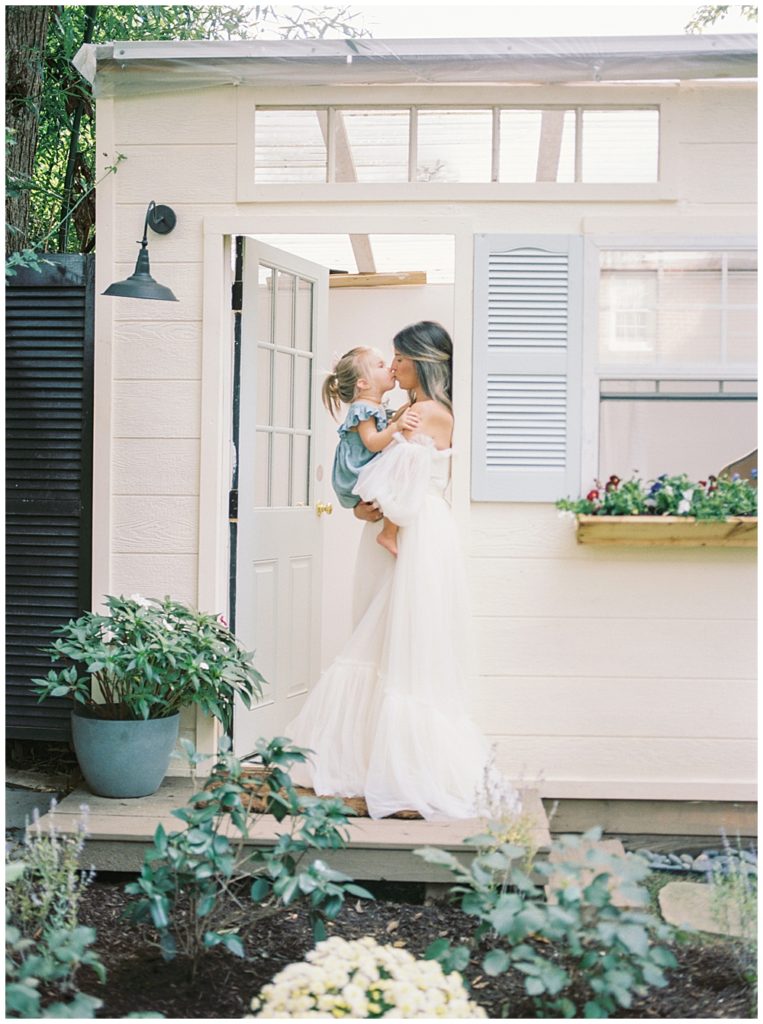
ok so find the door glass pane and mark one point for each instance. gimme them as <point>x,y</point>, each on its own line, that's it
<point>265,304</point>
<point>302,381</point>
<point>300,470</point>
<point>282,390</point>
<point>280,474</point>
<point>303,327</point>
<point>454,145</point>
<point>264,386</point>
<point>537,145</point>
<point>284,327</point>
<point>261,469</point>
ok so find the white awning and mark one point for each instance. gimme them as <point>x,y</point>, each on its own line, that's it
<point>142,67</point>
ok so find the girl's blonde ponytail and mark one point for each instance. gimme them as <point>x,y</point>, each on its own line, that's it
<point>339,386</point>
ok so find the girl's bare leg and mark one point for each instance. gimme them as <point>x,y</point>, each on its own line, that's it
<point>388,537</point>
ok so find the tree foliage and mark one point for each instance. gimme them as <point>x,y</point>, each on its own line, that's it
<point>710,14</point>
<point>66,123</point>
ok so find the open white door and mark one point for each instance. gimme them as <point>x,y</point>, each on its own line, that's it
<point>280,483</point>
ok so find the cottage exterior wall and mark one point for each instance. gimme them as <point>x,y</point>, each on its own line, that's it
<point>615,673</point>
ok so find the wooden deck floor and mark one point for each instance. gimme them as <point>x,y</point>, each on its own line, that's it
<point>120,832</point>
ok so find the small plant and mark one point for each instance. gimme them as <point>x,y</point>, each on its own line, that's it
<point>44,943</point>
<point>200,884</point>
<point>734,904</point>
<point>611,948</point>
<point>713,498</point>
<point>150,658</point>
<point>362,980</point>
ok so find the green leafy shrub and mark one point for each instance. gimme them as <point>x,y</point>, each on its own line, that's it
<point>734,906</point>
<point>667,496</point>
<point>187,873</point>
<point>608,951</point>
<point>150,658</point>
<point>44,944</point>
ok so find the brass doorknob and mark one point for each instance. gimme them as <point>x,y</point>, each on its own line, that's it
<point>323,506</point>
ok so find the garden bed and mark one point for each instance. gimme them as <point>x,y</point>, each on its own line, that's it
<point>706,984</point>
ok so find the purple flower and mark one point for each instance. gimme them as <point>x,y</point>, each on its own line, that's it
<point>736,476</point>
<point>656,486</point>
<point>754,473</point>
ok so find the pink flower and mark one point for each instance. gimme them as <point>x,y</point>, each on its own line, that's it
<point>222,621</point>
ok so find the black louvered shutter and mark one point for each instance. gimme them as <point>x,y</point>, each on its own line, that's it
<point>49,426</point>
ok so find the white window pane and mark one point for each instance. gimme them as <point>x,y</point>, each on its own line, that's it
<point>280,472</point>
<point>647,438</point>
<point>300,470</point>
<point>265,304</point>
<point>263,410</point>
<point>454,145</point>
<point>284,325</point>
<point>378,144</point>
<point>620,145</point>
<point>261,469</point>
<point>282,390</point>
<point>302,389</point>
<point>303,324</point>
<point>288,146</point>
<point>537,145</point>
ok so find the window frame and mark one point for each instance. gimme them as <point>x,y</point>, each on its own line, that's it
<point>627,97</point>
<point>593,372</point>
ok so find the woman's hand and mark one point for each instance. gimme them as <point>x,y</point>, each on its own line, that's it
<point>368,511</point>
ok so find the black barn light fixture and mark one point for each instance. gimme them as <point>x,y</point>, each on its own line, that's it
<point>140,284</point>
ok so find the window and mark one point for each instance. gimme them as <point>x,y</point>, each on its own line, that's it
<point>676,350</point>
<point>456,144</point>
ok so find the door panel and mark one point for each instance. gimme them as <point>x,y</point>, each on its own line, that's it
<point>280,540</point>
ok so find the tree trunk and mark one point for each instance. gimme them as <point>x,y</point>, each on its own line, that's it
<point>26,30</point>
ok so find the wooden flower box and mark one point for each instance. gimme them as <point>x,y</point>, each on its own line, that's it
<point>667,531</point>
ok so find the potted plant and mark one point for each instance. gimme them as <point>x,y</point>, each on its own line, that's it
<point>670,510</point>
<point>130,672</point>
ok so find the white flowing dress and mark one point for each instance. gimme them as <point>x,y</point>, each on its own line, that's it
<point>388,719</point>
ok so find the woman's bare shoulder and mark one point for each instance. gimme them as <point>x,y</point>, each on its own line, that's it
<point>434,412</point>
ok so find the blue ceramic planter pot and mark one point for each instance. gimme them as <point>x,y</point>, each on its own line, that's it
<point>123,758</point>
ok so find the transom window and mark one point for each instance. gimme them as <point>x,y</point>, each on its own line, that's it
<point>456,144</point>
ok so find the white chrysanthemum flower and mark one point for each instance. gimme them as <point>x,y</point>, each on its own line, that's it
<point>341,978</point>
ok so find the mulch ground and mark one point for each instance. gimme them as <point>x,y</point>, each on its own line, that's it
<point>706,984</point>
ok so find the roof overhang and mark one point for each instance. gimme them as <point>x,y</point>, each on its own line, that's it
<point>130,67</point>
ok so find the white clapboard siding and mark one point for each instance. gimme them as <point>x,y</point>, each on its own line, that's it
<point>174,119</point>
<point>148,465</point>
<point>182,245</point>
<point>645,588</point>
<point>619,767</point>
<point>156,575</point>
<point>678,648</point>
<point>527,365</point>
<point>195,174</point>
<point>705,113</point>
<point>718,172</point>
<point>150,524</point>
<point>635,707</point>
<point>157,408</point>
<point>156,350</point>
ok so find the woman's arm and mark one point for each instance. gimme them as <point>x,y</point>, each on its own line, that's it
<point>436,421</point>
<point>375,439</point>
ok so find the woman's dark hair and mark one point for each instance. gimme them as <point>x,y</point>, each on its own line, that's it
<point>429,345</point>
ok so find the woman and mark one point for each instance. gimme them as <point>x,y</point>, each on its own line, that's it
<point>387,720</point>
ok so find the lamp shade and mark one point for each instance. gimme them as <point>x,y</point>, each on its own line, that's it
<point>140,284</point>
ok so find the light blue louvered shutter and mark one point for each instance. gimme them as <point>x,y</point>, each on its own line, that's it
<point>526,401</point>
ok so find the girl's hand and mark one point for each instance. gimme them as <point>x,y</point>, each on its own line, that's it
<point>409,420</point>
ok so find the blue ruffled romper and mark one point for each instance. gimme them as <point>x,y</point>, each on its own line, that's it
<point>351,454</point>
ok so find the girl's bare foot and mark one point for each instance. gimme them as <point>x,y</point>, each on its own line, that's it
<point>388,541</point>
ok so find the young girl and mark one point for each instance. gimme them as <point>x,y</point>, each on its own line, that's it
<point>360,379</point>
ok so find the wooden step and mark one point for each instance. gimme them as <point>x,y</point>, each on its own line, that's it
<point>120,832</point>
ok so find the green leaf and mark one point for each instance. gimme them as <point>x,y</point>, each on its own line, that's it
<point>234,944</point>
<point>593,1009</point>
<point>436,949</point>
<point>634,937</point>
<point>495,962</point>
<point>534,986</point>
<point>662,957</point>
<point>260,889</point>
<point>59,691</point>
